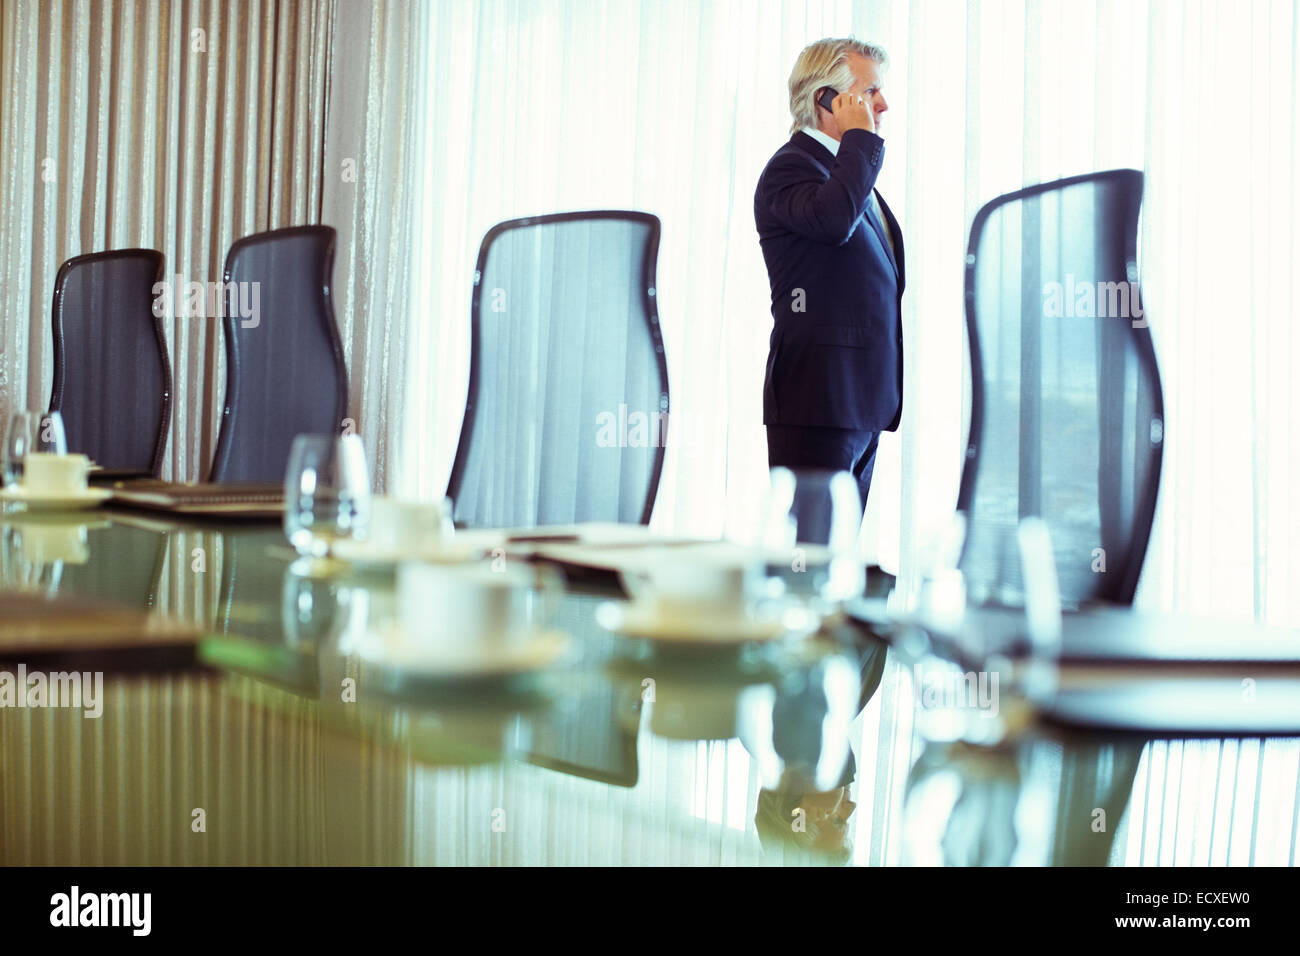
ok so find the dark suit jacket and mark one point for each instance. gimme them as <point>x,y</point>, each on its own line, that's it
<point>836,352</point>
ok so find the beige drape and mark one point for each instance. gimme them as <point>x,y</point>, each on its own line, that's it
<point>374,127</point>
<point>182,126</point>
<point>173,126</point>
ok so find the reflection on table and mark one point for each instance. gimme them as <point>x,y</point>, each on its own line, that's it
<point>292,749</point>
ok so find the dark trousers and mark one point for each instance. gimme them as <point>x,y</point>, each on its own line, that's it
<point>808,448</point>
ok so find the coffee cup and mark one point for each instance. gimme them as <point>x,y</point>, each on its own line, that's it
<point>719,584</point>
<point>45,473</point>
<point>449,611</point>
<point>407,527</point>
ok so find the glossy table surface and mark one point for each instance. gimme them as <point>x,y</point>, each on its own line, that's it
<point>288,748</point>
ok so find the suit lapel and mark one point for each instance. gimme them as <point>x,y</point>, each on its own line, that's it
<point>895,251</point>
<point>879,227</point>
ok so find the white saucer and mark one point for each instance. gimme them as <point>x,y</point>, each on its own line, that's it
<point>647,622</point>
<point>366,554</point>
<point>60,501</point>
<point>386,646</point>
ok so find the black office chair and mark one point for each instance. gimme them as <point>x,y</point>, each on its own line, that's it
<point>112,377</point>
<point>1067,414</point>
<point>285,373</point>
<point>567,413</point>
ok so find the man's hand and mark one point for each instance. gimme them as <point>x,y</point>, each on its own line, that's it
<point>851,111</point>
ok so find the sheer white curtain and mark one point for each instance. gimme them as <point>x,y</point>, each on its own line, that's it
<point>674,107</point>
<point>1221,244</point>
<point>668,107</point>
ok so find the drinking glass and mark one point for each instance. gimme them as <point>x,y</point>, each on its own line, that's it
<point>809,534</point>
<point>326,493</point>
<point>31,432</point>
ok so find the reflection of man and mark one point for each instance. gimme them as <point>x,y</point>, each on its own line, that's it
<point>803,813</point>
<point>813,821</point>
<point>834,256</point>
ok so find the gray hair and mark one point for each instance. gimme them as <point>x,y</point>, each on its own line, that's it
<point>824,63</point>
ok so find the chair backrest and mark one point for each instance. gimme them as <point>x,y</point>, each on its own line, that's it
<point>1067,413</point>
<point>567,413</point>
<point>285,373</point>
<point>112,377</point>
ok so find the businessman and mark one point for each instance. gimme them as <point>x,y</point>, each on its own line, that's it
<point>834,255</point>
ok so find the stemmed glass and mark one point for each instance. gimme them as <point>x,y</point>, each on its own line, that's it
<point>31,432</point>
<point>809,534</point>
<point>326,493</point>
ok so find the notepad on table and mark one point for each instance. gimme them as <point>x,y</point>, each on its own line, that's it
<point>216,500</point>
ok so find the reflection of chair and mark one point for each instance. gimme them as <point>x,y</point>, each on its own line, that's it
<point>1090,779</point>
<point>124,565</point>
<point>285,374</point>
<point>567,410</point>
<point>252,585</point>
<point>112,378</point>
<point>589,735</point>
<point>1094,787</point>
<point>1067,415</point>
<point>269,621</point>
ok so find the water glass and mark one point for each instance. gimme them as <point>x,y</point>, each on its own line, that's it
<point>809,534</point>
<point>31,432</point>
<point>326,493</point>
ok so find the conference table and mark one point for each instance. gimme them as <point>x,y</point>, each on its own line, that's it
<point>265,739</point>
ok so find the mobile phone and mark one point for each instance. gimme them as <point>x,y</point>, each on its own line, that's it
<point>825,97</point>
